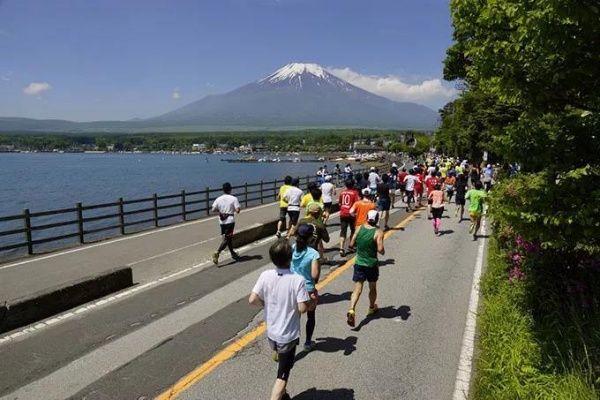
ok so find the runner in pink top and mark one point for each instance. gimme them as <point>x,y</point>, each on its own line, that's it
<point>437,207</point>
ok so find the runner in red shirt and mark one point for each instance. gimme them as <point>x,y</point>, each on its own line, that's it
<point>401,184</point>
<point>347,198</point>
<point>431,181</point>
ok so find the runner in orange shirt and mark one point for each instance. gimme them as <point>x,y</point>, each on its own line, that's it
<point>360,209</point>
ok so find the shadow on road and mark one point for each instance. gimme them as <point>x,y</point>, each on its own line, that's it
<point>332,345</point>
<point>241,259</point>
<point>389,261</point>
<point>389,312</point>
<point>446,232</point>
<point>330,298</point>
<point>323,394</point>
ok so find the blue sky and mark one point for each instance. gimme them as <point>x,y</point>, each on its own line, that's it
<point>88,60</point>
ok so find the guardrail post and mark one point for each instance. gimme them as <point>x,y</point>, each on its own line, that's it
<point>121,216</point>
<point>207,199</point>
<point>183,205</point>
<point>155,202</point>
<point>261,193</point>
<point>80,222</point>
<point>28,239</point>
<point>275,190</point>
<point>246,195</point>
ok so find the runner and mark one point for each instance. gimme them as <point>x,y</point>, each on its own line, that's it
<point>461,189</point>
<point>284,297</point>
<point>374,179</point>
<point>360,209</point>
<point>410,181</point>
<point>305,262</point>
<point>346,200</point>
<point>393,179</point>
<point>488,175</point>
<point>320,231</point>
<point>293,197</point>
<point>384,200</point>
<point>419,187</point>
<point>401,184</point>
<point>431,181</point>
<point>476,199</point>
<point>227,206</point>
<point>281,225</point>
<point>308,198</point>
<point>437,207</point>
<point>449,185</point>
<point>328,191</point>
<point>368,241</point>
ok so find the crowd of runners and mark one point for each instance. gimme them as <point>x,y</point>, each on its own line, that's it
<point>364,201</point>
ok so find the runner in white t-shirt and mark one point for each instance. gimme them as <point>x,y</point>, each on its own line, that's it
<point>227,206</point>
<point>293,197</point>
<point>284,296</point>
<point>327,193</point>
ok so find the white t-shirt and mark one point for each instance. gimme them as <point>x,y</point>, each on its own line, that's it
<point>410,182</point>
<point>281,290</point>
<point>293,196</point>
<point>373,180</point>
<point>327,192</point>
<point>226,204</point>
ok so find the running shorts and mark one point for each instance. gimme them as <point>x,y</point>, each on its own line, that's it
<point>345,222</point>
<point>327,206</point>
<point>437,212</point>
<point>369,274</point>
<point>286,353</point>
<point>460,201</point>
<point>282,213</point>
<point>227,229</point>
<point>294,216</point>
<point>384,204</point>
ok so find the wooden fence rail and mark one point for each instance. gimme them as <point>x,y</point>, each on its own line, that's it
<point>95,222</point>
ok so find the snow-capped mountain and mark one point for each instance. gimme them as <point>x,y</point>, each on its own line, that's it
<point>297,95</point>
<point>301,95</point>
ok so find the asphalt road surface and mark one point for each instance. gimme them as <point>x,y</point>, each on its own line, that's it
<point>141,345</point>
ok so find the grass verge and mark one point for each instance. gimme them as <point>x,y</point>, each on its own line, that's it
<point>521,355</point>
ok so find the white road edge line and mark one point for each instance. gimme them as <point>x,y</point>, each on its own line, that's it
<point>102,302</point>
<point>465,363</point>
<point>128,237</point>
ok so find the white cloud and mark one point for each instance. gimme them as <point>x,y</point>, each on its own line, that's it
<point>431,92</point>
<point>36,88</point>
<point>176,95</point>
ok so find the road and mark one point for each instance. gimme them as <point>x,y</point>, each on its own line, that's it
<point>141,345</point>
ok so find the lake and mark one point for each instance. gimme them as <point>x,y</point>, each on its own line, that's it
<point>47,181</point>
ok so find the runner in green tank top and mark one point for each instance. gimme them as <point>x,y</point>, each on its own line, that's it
<point>368,241</point>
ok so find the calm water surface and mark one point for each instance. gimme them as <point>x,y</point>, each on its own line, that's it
<point>47,181</point>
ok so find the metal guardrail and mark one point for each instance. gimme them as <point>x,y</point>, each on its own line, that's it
<point>102,221</point>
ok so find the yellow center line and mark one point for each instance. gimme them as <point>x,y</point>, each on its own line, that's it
<point>238,345</point>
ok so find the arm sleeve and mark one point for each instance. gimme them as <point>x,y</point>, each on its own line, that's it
<point>259,288</point>
<point>302,294</point>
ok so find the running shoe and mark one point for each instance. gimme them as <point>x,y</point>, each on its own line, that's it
<point>474,238</point>
<point>456,213</point>
<point>215,257</point>
<point>472,228</point>
<point>278,234</point>
<point>342,253</point>
<point>309,346</point>
<point>275,356</point>
<point>235,256</point>
<point>372,310</point>
<point>350,318</point>
<point>386,228</point>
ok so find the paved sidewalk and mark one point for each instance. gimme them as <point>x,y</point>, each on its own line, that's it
<point>409,350</point>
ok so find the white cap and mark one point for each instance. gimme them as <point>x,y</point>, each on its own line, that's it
<point>366,191</point>
<point>372,215</point>
<point>328,178</point>
<point>372,168</point>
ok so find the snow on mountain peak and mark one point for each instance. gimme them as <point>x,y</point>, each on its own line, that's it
<point>294,69</point>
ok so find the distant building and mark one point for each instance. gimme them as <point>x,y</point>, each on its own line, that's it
<point>198,147</point>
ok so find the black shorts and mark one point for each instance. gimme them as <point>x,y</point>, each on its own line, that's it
<point>369,274</point>
<point>286,354</point>
<point>282,213</point>
<point>327,206</point>
<point>345,222</point>
<point>410,195</point>
<point>227,229</point>
<point>460,201</point>
<point>294,216</point>
<point>437,212</point>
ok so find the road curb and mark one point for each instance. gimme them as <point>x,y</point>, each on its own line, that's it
<point>44,304</point>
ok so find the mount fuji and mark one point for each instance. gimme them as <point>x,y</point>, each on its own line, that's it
<point>295,96</point>
<point>300,95</point>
